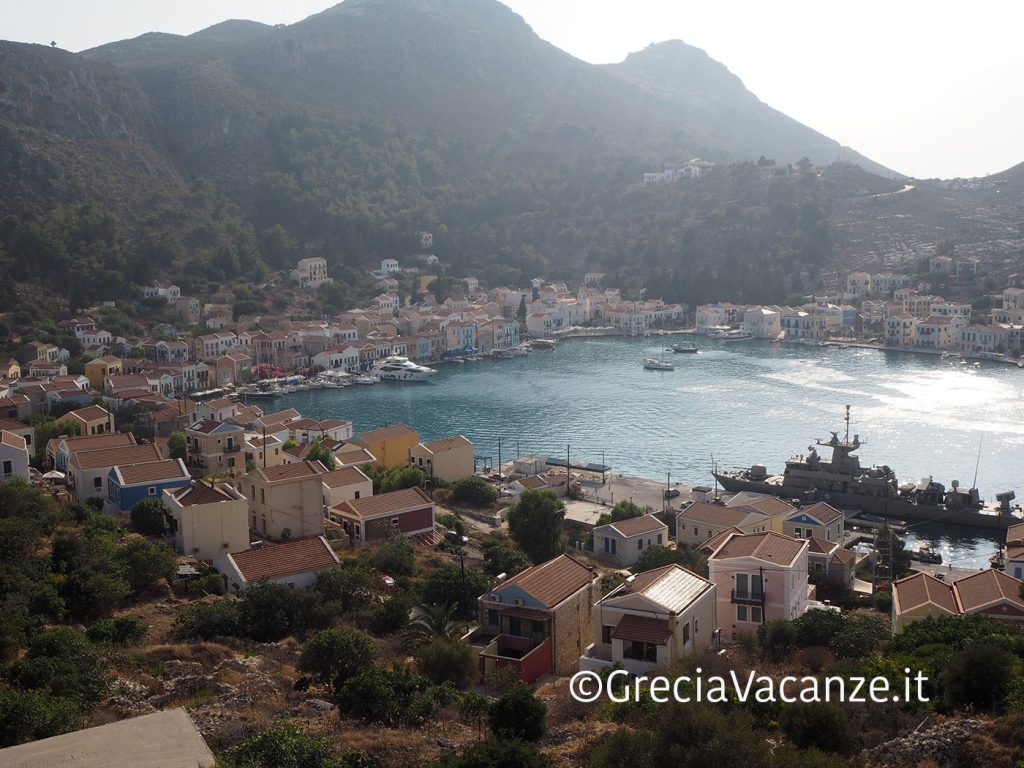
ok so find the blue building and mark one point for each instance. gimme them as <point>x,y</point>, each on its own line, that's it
<point>127,485</point>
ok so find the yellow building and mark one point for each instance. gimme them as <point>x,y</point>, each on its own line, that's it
<point>450,458</point>
<point>391,445</point>
<point>920,596</point>
<point>214,447</point>
<point>98,369</point>
<point>208,519</point>
<point>286,501</point>
<point>91,420</point>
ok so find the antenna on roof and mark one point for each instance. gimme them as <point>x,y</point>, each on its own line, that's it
<point>847,424</point>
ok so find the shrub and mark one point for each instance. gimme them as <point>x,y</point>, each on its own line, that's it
<point>351,585</point>
<point>30,715</point>
<point>445,586</point>
<point>209,620</point>
<point>818,627</point>
<point>389,697</point>
<point>335,655</point>
<point>502,557</point>
<point>395,557</point>
<point>442,661</point>
<point>271,611</point>
<point>283,745</point>
<point>146,562</point>
<point>210,584</point>
<point>535,523</point>
<point>119,630</point>
<point>148,517</point>
<point>386,617</point>
<point>499,753</point>
<point>777,639</point>
<point>861,635</point>
<point>518,715</point>
<point>474,492</point>
<point>63,663</point>
<point>978,676</point>
<point>823,726</point>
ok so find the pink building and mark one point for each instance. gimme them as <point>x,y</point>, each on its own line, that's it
<point>758,577</point>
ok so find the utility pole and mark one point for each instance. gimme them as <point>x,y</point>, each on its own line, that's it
<point>499,458</point>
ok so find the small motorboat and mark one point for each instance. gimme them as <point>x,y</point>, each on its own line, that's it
<point>654,364</point>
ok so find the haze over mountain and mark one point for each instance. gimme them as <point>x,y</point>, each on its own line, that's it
<point>358,125</point>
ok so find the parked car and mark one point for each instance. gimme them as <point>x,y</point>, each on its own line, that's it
<point>671,493</point>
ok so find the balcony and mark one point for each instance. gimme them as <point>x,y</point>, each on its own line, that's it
<point>747,598</point>
<point>529,658</point>
<point>229,448</point>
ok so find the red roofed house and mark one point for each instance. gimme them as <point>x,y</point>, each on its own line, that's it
<point>91,420</point>
<point>410,510</point>
<point>625,540</point>
<point>295,562</point>
<point>13,457</point>
<point>539,621</point>
<point>821,520</point>
<point>207,519</point>
<point>450,458</point>
<point>759,577</point>
<point>652,621</point>
<point>989,593</point>
<point>286,501</point>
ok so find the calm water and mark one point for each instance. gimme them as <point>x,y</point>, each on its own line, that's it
<point>743,403</point>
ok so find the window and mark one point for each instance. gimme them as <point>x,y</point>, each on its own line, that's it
<point>613,545</point>
<point>695,628</point>
<point>741,613</point>
<point>659,539</point>
<point>686,633</point>
<point>640,651</point>
<point>9,469</point>
<point>357,494</point>
<point>695,531</point>
<point>755,614</point>
<point>97,482</point>
<point>394,521</point>
<point>515,626</point>
<point>748,585</point>
<point>607,546</point>
<point>263,495</point>
<point>639,544</point>
<point>606,634</point>
<point>492,617</point>
<point>798,532</point>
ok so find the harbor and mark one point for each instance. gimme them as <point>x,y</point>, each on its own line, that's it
<point>732,404</point>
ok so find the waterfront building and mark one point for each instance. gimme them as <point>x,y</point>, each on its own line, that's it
<point>820,520</point>
<point>651,621</point>
<point>758,577</point>
<point>900,329</point>
<point>390,445</point>
<point>538,621</point>
<point>623,541</point>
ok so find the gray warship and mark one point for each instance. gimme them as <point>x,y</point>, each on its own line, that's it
<point>844,484</point>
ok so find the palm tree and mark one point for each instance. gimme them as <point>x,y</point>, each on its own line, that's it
<point>433,622</point>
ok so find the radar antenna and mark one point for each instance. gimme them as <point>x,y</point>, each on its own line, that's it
<point>847,440</point>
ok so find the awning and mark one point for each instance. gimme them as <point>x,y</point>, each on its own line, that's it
<point>524,613</point>
<point>643,629</point>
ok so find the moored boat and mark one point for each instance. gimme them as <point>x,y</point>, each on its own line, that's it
<point>654,364</point>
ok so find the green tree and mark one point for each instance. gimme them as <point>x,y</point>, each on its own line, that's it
<point>389,697</point>
<point>63,663</point>
<point>450,584</point>
<point>519,715</point>
<point>978,676</point>
<point>271,611</point>
<point>535,522</point>
<point>657,556</point>
<point>119,630</point>
<point>321,453</point>
<point>823,726</point>
<point>332,656</point>
<point>209,620</point>
<point>44,431</point>
<point>862,633</point>
<point>502,557</point>
<point>178,444</point>
<point>474,492</point>
<point>30,715</point>
<point>777,639</point>
<point>395,557</point>
<point>445,661</point>
<point>283,745</point>
<point>431,622</point>
<point>399,478</point>
<point>499,753</point>
<point>148,518</point>
<point>146,562</point>
<point>351,585</point>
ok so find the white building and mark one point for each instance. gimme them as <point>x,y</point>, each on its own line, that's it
<point>13,457</point>
<point>311,273</point>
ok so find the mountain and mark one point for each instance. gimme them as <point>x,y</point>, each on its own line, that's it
<point>226,153</point>
<point>712,107</point>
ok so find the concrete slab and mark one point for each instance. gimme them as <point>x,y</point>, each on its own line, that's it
<point>166,739</point>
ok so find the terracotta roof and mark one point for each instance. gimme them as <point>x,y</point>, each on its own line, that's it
<point>209,426</point>
<point>634,526</point>
<point>153,471</point>
<point>13,440</point>
<point>818,546</point>
<point>280,417</point>
<point>717,540</point>
<point>771,505</point>
<point>922,589</point>
<point>299,451</point>
<point>113,457</point>
<point>716,514</point>
<point>200,493</point>
<point>385,503</point>
<point>13,426</point>
<point>769,546</point>
<point>286,559</point>
<point>351,454</point>
<point>1015,533</point>
<point>218,403</point>
<point>533,482</point>
<point>1015,552</point>
<point>987,587</point>
<point>386,433</point>
<point>294,471</point>
<point>844,556</point>
<point>553,581</point>
<point>821,511</point>
<point>671,586</point>
<point>338,478</point>
<point>91,413</point>
<point>643,629</point>
<point>259,442</point>
<point>447,444</point>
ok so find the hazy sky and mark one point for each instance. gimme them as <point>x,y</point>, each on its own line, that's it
<point>927,88</point>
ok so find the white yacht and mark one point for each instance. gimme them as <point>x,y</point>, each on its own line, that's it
<point>653,364</point>
<point>397,368</point>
